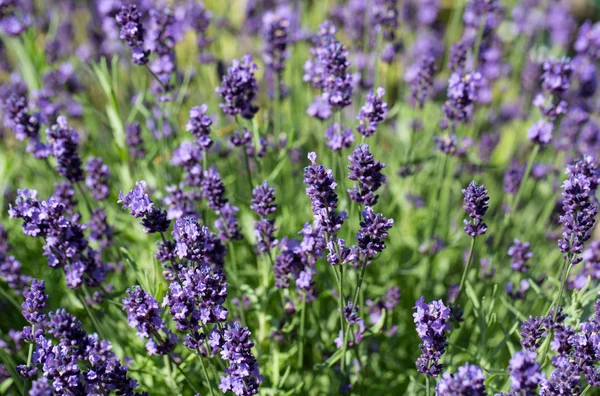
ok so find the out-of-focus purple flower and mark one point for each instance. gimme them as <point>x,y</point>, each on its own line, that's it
<point>520,253</point>
<point>98,176</point>
<point>242,375</point>
<point>579,216</point>
<point>63,141</point>
<point>100,231</point>
<point>327,69</point>
<point>367,172</point>
<point>588,167</point>
<point>199,126</point>
<point>432,322</point>
<point>588,40</point>
<point>512,178</point>
<point>263,200</point>
<point>446,143</point>
<point>420,78</point>
<point>560,23</point>
<point>65,195</point>
<point>525,373</point>
<point>35,302</point>
<point>373,229</point>
<point>276,33</point>
<point>463,92</point>
<point>372,113</point>
<point>319,109</point>
<point>337,138</point>
<point>468,380</point>
<point>227,223</point>
<point>321,191</point>
<point>388,302</point>
<point>556,75</point>
<point>133,138</point>
<point>25,125</point>
<point>517,293</point>
<point>199,19</point>
<point>476,203</point>
<point>189,157</point>
<point>213,189</point>
<point>132,31</point>
<point>541,132</point>
<point>239,88</point>
<point>179,202</point>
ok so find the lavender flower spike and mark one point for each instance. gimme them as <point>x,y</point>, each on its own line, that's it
<point>35,302</point>
<point>372,113</point>
<point>199,126</point>
<point>520,254</point>
<point>140,206</point>
<point>132,31</point>
<point>367,171</point>
<point>476,205</point>
<point>525,373</point>
<point>433,322</point>
<point>239,88</point>
<point>97,178</point>
<point>468,380</point>
<point>373,229</point>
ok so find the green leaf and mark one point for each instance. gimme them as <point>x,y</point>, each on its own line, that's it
<point>472,295</point>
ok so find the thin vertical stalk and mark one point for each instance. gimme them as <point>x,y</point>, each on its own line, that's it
<point>301,346</point>
<point>466,270</point>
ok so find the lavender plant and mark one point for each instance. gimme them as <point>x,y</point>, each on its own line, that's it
<point>214,221</point>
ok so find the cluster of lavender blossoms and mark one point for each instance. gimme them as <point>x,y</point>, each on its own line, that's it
<point>239,88</point>
<point>70,360</point>
<point>433,322</point>
<point>263,204</point>
<point>137,201</point>
<point>327,70</point>
<point>476,205</point>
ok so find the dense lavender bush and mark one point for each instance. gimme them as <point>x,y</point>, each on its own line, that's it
<point>204,197</point>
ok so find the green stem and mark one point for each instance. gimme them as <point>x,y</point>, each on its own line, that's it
<point>301,346</point>
<point>207,378</point>
<point>427,387</point>
<point>156,78</point>
<point>341,303</point>
<point>466,270</point>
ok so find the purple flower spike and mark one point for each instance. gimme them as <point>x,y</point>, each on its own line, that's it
<point>98,176</point>
<point>239,88</point>
<point>137,200</point>
<point>373,229</point>
<point>525,373</point>
<point>63,142</point>
<point>199,126</point>
<point>140,206</point>
<point>367,172</point>
<point>321,191</point>
<point>579,216</point>
<point>433,322</point>
<point>475,204</point>
<point>242,376</point>
<point>541,132</point>
<point>132,31</point>
<point>133,138</point>
<point>468,380</point>
<point>213,189</point>
<point>372,113</point>
<point>263,200</point>
<point>338,138</point>
<point>35,302</point>
<point>520,254</point>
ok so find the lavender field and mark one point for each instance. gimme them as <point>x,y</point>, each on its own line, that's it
<point>324,197</point>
